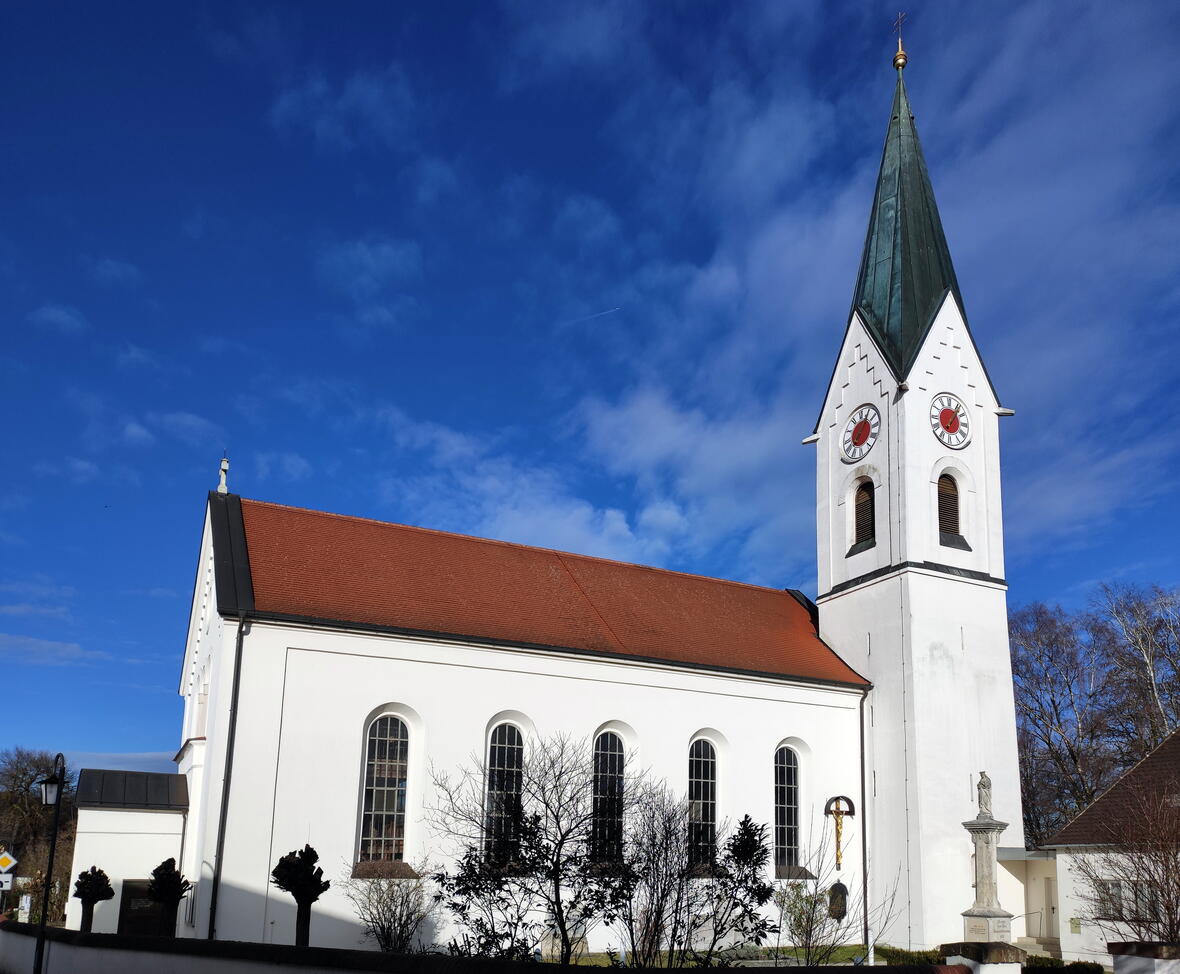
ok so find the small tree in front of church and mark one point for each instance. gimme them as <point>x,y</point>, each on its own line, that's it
<point>823,912</point>
<point>92,886</point>
<point>297,873</point>
<point>555,851</point>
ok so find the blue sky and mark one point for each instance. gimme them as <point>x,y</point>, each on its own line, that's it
<point>571,274</point>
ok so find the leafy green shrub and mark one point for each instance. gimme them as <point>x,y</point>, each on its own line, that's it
<point>1084,967</point>
<point>1035,960</point>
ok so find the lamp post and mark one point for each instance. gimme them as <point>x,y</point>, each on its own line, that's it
<point>51,789</point>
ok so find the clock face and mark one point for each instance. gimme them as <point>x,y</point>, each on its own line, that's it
<point>861,432</point>
<point>950,421</point>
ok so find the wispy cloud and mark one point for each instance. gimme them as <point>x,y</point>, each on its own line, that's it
<point>132,356</point>
<point>77,469</point>
<point>61,318</point>
<point>45,652</point>
<point>288,466</point>
<point>187,427</point>
<point>373,274</point>
<point>368,108</point>
<point>110,272</point>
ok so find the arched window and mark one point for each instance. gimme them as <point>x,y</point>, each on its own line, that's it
<point>505,778</point>
<point>606,826</point>
<point>786,812</point>
<point>702,802</point>
<point>864,527</point>
<point>948,505</point>
<point>383,816</point>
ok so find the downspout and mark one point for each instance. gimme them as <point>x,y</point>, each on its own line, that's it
<point>864,835</point>
<point>225,781</point>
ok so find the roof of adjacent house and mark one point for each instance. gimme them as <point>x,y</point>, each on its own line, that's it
<point>1100,822</point>
<point>287,563</point>
<point>139,790</point>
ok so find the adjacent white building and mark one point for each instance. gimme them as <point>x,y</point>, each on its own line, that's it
<point>332,661</point>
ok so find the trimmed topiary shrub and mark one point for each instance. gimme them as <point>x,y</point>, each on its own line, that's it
<point>297,873</point>
<point>91,886</point>
<point>167,887</point>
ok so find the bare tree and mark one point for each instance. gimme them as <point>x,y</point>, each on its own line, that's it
<point>821,916</point>
<point>1143,629</point>
<point>392,905</point>
<point>1132,884</point>
<point>1063,689</point>
<point>23,819</point>
<point>677,911</point>
<point>549,851</point>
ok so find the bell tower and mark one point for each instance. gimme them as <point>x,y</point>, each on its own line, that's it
<point>910,551</point>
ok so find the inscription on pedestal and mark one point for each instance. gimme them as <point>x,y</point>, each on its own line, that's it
<point>986,930</point>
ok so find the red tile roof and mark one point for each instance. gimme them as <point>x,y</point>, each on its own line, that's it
<point>1120,806</point>
<point>352,570</point>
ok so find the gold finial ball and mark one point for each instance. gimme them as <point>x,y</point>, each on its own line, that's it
<point>900,59</point>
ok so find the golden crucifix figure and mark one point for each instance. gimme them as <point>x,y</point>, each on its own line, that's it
<point>839,808</point>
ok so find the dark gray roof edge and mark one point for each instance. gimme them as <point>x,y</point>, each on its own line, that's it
<point>231,558</point>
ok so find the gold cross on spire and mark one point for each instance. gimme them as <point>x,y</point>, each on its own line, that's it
<point>900,58</point>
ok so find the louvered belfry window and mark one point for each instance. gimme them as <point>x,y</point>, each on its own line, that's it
<point>948,505</point>
<point>866,528</point>
<point>383,818</point>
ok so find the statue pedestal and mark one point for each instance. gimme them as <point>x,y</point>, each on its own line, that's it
<point>986,958</point>
<point>987,929</point>
<point>986,922</point>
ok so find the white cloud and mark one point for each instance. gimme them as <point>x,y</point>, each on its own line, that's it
<point>134,356</point>
<point>365,269</point>
<point>187,427</point>
<point>367,108</point>
<point>79,470</point>
<point>288,466</point>
<point>60,318</point>
<point>111,272</point>
<point>45,652</point>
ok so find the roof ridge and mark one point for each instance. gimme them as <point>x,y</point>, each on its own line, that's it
<point>516,544</point>
<point>1112,786</point>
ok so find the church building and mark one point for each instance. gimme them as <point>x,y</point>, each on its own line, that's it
<point>332,662</point>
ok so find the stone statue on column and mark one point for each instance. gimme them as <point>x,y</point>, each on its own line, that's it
<point>986,921</point>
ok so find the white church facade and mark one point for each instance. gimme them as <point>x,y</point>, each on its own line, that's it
<point>318,640</point>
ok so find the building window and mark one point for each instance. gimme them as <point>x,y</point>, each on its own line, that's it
<point>606,827</point>
<point>502,813</point>
<point>786,813</point>
<point>383,819</point>
<point>864,520</point>
<point>1109,899</point>
<point>702,802</point>
<point>1144,903</point>
<point>949,531</point>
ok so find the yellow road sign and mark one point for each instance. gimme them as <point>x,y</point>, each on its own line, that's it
<point>7,861</point>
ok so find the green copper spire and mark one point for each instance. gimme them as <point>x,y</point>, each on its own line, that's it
<point>906,267</point>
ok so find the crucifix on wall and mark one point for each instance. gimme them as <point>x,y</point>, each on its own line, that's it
<point>839,807</point>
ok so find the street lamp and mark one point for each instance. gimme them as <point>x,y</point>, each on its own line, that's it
<point>51,789</point>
